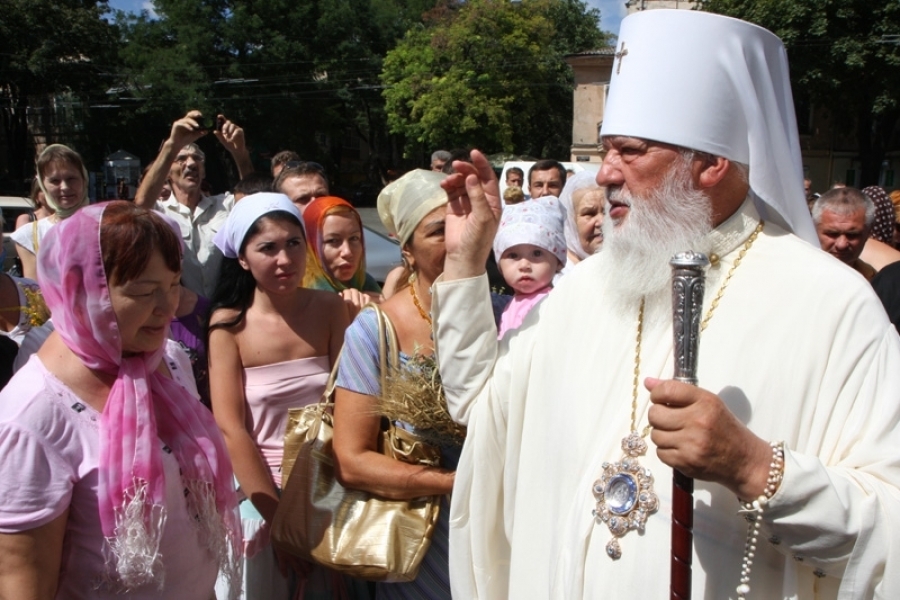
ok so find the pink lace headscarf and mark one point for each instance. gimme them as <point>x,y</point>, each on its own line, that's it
<point>144,410</point>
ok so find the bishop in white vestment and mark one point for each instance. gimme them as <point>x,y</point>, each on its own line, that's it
<point>796,349</point>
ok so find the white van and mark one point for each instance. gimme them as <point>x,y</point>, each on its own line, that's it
<point>526,165</point>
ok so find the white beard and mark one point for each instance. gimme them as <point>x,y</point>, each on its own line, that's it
<point>673,218</point>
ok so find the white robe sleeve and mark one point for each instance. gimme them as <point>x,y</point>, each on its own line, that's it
<point>838,511</point>
<point>475,371</point>
<point>465,341</point>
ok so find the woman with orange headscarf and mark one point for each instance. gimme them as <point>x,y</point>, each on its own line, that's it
<point>336,256</point>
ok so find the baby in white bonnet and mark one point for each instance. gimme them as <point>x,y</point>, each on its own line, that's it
<point>530,248</point>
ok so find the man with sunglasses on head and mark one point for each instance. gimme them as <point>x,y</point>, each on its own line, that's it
<point>182,165</point>
<point>302,182</point>
<point>281,159</point>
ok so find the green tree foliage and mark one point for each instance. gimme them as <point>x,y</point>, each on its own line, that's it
<point>49,50</point>
<point>840,60</point>
<point>292,73</point>
<point>491,74</point>
<point>172,60</point>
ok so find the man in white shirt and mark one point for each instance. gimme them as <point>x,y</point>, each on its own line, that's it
<point>182,164</point>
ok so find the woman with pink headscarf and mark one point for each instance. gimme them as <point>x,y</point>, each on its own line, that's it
<point>116,479</point>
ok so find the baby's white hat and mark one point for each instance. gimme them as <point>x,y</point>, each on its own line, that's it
<point>540,222</point>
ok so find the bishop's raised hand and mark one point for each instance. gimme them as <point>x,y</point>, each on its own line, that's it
<point>473,216</point>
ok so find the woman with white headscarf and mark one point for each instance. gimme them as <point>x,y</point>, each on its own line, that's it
<point>585,204</point>
<point>62,177</point>
<point>271,344</point>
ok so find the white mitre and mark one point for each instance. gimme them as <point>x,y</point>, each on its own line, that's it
<point>718,85</point>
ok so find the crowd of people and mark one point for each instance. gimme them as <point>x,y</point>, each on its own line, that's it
<point>153,349</point>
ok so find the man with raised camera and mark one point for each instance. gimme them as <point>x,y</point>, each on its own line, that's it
<point>182,164</point>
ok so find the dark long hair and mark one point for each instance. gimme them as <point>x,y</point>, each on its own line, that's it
<point>235,286</point>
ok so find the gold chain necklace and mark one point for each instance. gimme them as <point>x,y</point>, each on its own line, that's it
<point>624,492</point>
<point>737,261</point>
<point>415,297</point>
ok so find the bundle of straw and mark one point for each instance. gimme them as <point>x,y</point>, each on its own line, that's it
<point>414,395</point>
<point>35,307</point>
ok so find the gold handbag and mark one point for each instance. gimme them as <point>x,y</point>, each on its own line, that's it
<point>351,531</point>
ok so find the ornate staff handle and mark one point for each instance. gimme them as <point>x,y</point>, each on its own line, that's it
<point>688,272</point>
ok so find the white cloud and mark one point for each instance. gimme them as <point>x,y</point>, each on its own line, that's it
<point>148,6</point>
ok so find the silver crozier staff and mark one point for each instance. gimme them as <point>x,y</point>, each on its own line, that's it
<point>688,271</point>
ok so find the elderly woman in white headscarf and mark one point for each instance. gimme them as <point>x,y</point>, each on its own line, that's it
<point>585,204</point>
<point>413,209</point>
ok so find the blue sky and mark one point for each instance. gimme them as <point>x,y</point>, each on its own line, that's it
<point>611,11</point>
<point>134,6</point>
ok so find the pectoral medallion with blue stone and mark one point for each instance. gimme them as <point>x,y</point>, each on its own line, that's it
<point>624,493</point>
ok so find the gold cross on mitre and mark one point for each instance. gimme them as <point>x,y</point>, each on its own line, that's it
<point>619,56</point>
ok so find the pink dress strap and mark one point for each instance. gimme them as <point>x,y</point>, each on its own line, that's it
<point>270,391</point>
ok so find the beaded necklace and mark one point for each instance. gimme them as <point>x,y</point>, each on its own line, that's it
<point>415,298</point>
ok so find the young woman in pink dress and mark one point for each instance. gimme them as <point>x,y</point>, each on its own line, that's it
<point>271,348</point>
